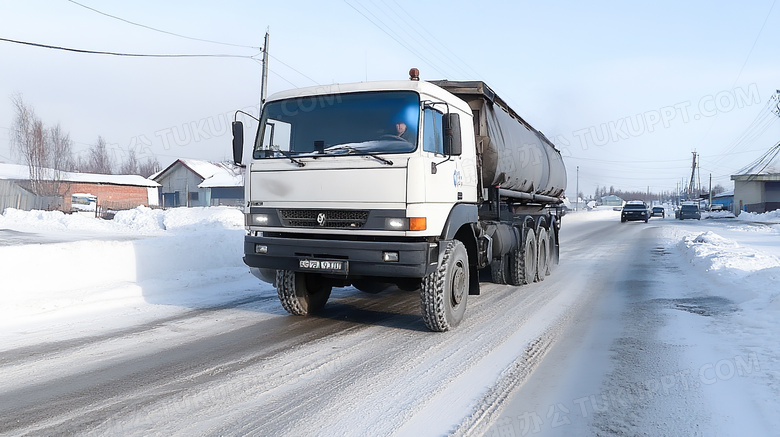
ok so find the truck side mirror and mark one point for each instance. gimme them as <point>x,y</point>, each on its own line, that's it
<point>238,142</point>
<point>453,144</point>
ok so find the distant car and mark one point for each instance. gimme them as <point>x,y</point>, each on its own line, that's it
<point>689,212</point>
<point>658,211</point>
<point>634,210</point>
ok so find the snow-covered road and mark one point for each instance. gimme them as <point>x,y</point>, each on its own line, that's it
<point>150,324</point>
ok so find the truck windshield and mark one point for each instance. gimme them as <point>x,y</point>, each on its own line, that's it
<point>359,123</point>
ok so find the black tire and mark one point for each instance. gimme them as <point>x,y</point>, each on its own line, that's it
<point>555,255</point>
<point>499,270</point>
<point>523,261</point>
<point>301,294</point>
<point>445,291</point>
<point>622,220</point>
<point>646,220</point>
<point>543,255</point>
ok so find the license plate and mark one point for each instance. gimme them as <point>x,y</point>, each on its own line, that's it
<point>324,265</point>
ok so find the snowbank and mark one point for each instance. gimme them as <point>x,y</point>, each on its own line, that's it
<point>744,273</point>
<point>767,217</point>
<point>142,220</point>
<point>143,256</point>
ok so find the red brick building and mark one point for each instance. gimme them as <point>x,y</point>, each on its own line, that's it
<point>112,191</point>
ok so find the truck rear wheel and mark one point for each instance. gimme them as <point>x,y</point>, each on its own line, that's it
<point>301,294</point>
<point>523,261</point>
<point>445,291</point>
<point>499,270</point>
<point>543,249</point>
<point>554,252</point>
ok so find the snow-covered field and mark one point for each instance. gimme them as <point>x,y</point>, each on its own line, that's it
<point>70,276</point>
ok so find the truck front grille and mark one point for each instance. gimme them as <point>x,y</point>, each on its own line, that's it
<point>314,218</point>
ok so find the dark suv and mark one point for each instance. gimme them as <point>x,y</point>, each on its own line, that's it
<point>689,212</point>
<point>635,210</point>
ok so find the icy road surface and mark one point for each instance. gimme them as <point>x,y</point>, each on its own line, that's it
<point>150,324</point>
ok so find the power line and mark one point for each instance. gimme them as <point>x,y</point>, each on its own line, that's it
<point>433,37</point>
<point>200,39</point>
<point>137,55</point>
<point>623,162</point>
<point>750,52</point>
<point>293,69</point>
<point>162,31</point>
<point>413,34</point>
<point>760,124</point>
<point>394,36</point>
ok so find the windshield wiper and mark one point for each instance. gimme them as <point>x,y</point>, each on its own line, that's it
<point>380,159</point>
<point>289,156</point>
<point>351,149</point>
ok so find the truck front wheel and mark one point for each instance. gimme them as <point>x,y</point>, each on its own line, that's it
<point>445,291</point>
<point>301,294</point>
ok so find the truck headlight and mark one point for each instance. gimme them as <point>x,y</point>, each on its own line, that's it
<point>406,223</point>
<point>257,219</point>
<point>397,224</point>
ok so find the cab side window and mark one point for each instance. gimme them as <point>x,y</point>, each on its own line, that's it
<point>433,138</point>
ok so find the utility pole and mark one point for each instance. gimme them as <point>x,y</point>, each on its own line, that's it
<point>264,83</point>
<point>710,190</point>
<point>691,185</point>
<point>577,194</point>
<point>698,173</point>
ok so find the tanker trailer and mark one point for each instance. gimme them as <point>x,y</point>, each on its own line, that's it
<point>413,184</point>
<point>522,181</point>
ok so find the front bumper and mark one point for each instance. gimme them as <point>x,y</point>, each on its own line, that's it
<point>632,217</point>
<point>364,258</point>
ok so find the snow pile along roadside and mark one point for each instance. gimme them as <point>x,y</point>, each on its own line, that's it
<point>180,252</point>
<point>743,273</point>
<point>53,221</point>
<point>146,219</point>
<point>767,217</point>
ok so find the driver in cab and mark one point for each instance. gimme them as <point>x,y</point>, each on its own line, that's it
<point>402,132</point>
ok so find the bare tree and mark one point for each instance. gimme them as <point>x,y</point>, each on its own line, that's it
<point>129,165</point>
<point>61,147</point>
<point>30,141</point>
<point>98,160</point>
<point>148,168</point>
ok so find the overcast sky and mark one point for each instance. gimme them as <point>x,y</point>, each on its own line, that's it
<point>627,90</point>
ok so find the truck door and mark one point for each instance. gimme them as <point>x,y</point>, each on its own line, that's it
<point>443,178</point>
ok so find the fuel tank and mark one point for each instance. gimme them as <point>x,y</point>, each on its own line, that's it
<point>514,155</point>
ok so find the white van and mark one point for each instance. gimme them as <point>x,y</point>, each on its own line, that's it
<point>83,203</point>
